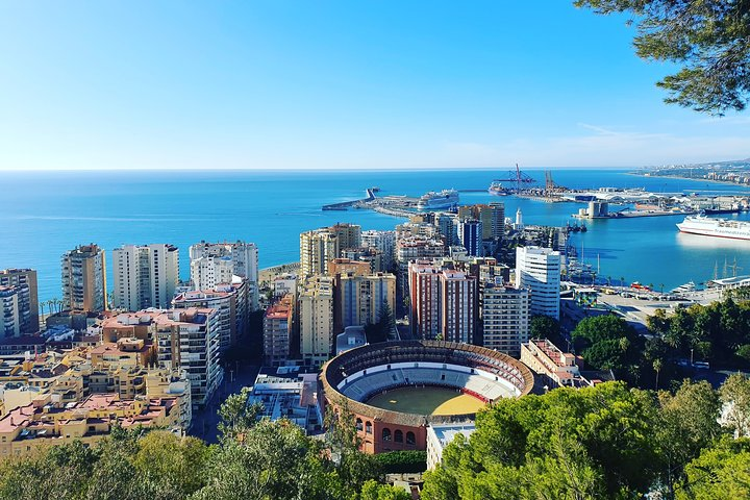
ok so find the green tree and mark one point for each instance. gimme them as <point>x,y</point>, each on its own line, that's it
<point>172,467</point>
<point>545,327</point>
<point>688,424</point>
<point>721,473</point>
<point>372,490</point>
<point>709,39</point>
<point>237,417</point>
<point>735,394</point>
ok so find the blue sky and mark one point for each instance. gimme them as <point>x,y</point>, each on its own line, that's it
<point>336,84</point>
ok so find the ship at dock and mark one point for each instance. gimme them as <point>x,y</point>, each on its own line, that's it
<point>718,228</point>
<point>496,188</point>
<point>447,198</point>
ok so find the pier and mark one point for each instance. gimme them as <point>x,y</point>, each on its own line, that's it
<point>345,205</point>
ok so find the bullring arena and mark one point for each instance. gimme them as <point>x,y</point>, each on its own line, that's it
<point>395,390</point>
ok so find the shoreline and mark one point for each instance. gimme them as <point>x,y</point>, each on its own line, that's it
<point>267,273</point>
<point>726,183</point>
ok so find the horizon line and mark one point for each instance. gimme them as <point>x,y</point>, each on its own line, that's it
<point>327,169</point>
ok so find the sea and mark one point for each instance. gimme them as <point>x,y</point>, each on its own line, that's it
<point>44,214</point>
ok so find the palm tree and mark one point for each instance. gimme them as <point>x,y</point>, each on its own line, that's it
<point>661,287</point>
<point>50,305</point>
<point>657,368</point>
<point>622,281</point>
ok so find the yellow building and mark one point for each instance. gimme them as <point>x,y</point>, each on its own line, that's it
<point>47,421</point>
<point>316,320</point>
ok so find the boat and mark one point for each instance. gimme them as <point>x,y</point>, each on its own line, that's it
<point>718,228</point>
<point>446,198</point>
<point>497,189</point>
<point>686,288</point>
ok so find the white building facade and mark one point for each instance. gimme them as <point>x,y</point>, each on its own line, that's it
<point>538,270</point>
<point>145,276</point>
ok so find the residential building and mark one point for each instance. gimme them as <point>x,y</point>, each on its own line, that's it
<point>347,266</point>
<point>448,227</point>
<point>231,302</point>
<point>538,270</point>
<point>213,264</point>
<point>10,317</point>
<point>84,279</point>
<point>48,420</point>
<point>25,281</point>
<point>186,340</point>
<point>316,249</point>
<point>505,317</point>
<point>441,435</point>
<point>278,327</point>
<point>369,255</point>
<point>557,368</point>
<point>424,300</point>
<point>458,306</point>
<point>385,243</point>
<point>348,235</point>
<point>360,300</point>
<point>316,320</point>
<point>284,284</point>
<point>470,236</point>
<point>145,276</point>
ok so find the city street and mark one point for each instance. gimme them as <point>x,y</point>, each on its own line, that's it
<point>206,421</point>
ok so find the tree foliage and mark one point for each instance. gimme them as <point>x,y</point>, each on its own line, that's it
<point>607,441</point>
<point>718,333</point>
<point>709,39</point>
<point>608,343</point>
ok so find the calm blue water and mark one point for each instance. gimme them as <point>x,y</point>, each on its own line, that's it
<point>45,214</point>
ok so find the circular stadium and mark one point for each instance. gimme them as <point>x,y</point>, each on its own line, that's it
<point>394,390</point>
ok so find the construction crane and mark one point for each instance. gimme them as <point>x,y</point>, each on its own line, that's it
<point>518,177</point>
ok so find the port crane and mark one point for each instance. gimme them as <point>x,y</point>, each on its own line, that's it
<point>518,177</point>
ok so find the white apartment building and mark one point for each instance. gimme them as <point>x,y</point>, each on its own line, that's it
<point>538,270</point>
<point>384,242</point>
<point>10,318</point>
<point>316,320</point>
<point>229,299</point>
<point>505,315</point>
<point>145,276</point>
<point>25,283</point>
<point>212,264</point>
<point>190,340</point>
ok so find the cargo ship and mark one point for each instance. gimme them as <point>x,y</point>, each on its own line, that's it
<point>446,198</point>
<point>718,228</point>
<point>497,189</point>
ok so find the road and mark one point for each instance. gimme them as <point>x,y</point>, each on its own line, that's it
<point>206,421</point>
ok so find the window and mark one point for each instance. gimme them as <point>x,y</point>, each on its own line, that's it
<point>368,428</point>
<point>410,439</point>
<point>359,425</point>
<point>398,436</point>
<point>386,435</point>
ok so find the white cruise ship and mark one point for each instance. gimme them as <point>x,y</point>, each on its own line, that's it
<point>446,198</point>
<point>720,228</point>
